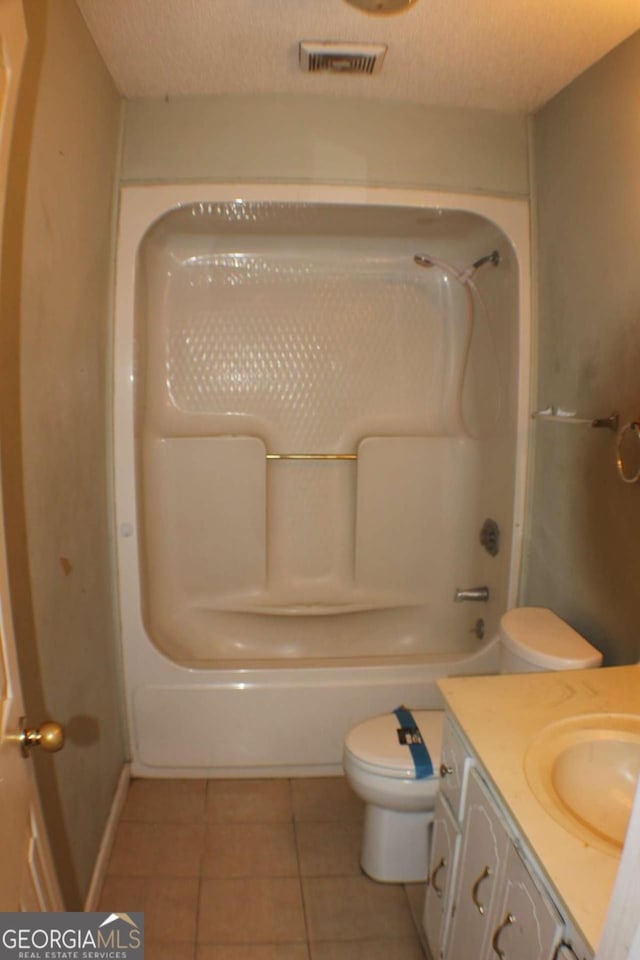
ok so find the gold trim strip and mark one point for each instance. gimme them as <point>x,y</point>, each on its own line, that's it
<point>312,456</point>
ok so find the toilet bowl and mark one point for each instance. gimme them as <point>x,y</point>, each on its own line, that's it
<point>379,754</point>
<point>399,804</point>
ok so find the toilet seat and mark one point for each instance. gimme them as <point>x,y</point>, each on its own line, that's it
<point>374,746</point>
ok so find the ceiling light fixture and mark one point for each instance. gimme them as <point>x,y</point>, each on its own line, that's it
<point>382,7</point>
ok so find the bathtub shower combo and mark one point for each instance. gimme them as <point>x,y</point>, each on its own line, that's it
<point>319,402</point>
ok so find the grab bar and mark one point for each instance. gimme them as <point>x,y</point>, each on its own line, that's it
<point>312,456</point>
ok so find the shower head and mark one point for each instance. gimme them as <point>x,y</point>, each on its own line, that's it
<point>493,258</point>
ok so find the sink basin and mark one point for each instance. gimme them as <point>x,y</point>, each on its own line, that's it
<point>584,771</point>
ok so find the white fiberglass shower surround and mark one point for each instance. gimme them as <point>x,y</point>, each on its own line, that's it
<point>320,396</point>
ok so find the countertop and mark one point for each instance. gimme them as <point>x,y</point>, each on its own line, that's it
<point>500,716</point>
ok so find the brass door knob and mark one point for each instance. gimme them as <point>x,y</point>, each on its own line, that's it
<point>49,735</point>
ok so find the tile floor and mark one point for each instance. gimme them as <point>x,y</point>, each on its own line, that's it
<point>255,870</point>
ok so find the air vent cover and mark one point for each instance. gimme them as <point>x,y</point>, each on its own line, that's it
<point>318,55</point>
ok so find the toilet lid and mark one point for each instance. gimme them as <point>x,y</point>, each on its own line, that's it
<point>376,745</point>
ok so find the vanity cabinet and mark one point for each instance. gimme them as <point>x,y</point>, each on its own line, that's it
<point>482,899</point>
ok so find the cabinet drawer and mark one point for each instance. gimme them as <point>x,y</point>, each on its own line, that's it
<point>454,760</point>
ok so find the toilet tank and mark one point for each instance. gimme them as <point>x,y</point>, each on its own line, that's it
<point>534,639</point>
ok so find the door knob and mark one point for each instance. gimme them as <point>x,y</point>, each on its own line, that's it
<point>49,736</point>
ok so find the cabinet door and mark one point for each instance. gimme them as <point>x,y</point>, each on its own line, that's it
<point>485,844</point>
<point>528,926</point>
<point>444,848</point>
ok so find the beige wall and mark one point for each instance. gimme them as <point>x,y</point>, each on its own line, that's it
<point>583,558</point>
<point>56,471</point>
<point>306,139</point>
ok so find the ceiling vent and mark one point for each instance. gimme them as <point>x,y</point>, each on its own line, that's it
<point>320,56</point>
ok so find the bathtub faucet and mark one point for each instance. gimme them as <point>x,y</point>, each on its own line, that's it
<point>473,593</point>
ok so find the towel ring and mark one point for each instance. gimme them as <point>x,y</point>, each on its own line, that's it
<point>633,425</point>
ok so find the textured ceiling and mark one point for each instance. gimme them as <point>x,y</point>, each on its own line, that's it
<point>500,54</point>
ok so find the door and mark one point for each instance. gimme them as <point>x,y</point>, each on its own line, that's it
<point>528,927</point>
<point>485,844</point>
<point>444,854</point>
<point>27,878</point>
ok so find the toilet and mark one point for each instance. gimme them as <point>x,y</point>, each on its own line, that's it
<point>398,776</point>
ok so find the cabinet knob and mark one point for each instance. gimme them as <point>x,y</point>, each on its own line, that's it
<point>445,771</point>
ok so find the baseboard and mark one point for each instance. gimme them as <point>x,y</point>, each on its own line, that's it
<point>106,844</point>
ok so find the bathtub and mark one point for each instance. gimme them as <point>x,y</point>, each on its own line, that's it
<point>269,602</point>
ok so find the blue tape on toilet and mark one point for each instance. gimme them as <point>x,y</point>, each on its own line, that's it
<point>419,752</point>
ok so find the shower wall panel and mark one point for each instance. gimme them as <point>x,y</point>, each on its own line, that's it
<point>260,343</point>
